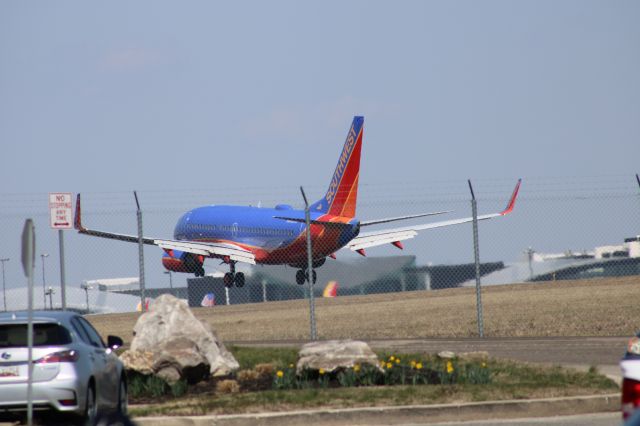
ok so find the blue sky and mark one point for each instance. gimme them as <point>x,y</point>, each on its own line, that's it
<point>105,98</point>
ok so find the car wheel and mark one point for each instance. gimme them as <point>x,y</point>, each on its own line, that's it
<point>123,400</point>
<point>91,408</point>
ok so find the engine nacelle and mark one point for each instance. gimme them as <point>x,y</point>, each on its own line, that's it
<point>178,261</point>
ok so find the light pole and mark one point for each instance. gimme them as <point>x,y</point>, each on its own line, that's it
<point>86,287</point>
<point>44,284</point>
<point>4,289</point>
<point>170,280</point>
<point>50,293</point>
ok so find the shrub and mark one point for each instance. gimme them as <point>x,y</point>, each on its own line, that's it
<point>227,387</point>
<point>179,388</point>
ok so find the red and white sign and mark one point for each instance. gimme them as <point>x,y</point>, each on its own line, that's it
<point>61,210</point>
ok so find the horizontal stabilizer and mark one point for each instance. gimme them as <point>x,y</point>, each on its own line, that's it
<point>314,222</point>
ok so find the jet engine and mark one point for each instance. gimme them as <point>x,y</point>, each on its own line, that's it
<point>178,261</point>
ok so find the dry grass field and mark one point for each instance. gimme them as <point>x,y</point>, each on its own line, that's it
<point>597,307</point>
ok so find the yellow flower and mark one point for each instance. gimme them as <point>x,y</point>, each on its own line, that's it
<point>356,368</point>
<point>419,366</point>
<point>389,365</point>
<point>413,363</point>
<point>321,371</point>
<point>449,367</point>
<point>397,360</point>
<point>484,365</point>
<point>290,365</point>
<point>280,373</point>
<point>391,358</point>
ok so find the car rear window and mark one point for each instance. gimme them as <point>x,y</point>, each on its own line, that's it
<point>15,335</point>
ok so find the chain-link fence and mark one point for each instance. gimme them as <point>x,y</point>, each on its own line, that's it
<point>575,238</point>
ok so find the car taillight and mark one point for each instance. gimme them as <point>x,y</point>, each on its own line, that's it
<point>630,396</point>
<point>63,356</point>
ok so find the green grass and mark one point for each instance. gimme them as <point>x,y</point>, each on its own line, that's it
<point>508,380</point>
<point>249,357</point>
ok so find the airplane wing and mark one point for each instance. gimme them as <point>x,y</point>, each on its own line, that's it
<point>219,250</point>
<point>395,235</point>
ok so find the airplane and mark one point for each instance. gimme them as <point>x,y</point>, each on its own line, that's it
<point>277,236</point>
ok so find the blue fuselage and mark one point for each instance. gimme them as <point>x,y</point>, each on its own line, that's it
<point>261,230</point>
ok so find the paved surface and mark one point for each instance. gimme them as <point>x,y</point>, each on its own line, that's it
<point>553,350</point>
<point>573,352</point>
<point>406,415</point>
<point>576,352</point>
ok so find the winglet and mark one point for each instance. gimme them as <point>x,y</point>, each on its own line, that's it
<point>77,220</point>
<point>512,201</point>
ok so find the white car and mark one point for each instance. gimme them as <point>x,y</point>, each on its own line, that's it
<point>630,366</point>
<point>74,371</point>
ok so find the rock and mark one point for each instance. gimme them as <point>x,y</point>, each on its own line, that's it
<point>140,361</point>
<point>180,345</point>
<point>446,355</point>
<point>332,355</point>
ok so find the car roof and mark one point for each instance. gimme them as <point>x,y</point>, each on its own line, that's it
<point>39,316</point>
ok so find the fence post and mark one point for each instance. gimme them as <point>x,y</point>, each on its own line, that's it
<point>140,254</point>
<point>312,305</point>
<point>476,253</point>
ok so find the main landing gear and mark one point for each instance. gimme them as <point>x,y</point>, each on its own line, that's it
<point>302,276</point>
<point>232,277</point>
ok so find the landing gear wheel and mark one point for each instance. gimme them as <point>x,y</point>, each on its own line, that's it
<point>239,279</point>
<point>314,275</point>
<point>300,277</point>
<point>199,272</point>
<point>228,280</point>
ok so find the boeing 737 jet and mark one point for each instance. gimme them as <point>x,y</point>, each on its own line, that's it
<point>277,236</point>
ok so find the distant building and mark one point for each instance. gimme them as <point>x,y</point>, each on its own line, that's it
<point>131,286</point>
<point>602,261</point>
<point>370,275</point>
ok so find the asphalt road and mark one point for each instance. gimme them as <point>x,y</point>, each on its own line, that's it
<point>581,352</point>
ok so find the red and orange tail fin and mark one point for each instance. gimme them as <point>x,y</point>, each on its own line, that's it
<point>340,199</point>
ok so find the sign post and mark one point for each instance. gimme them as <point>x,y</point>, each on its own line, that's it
<point>28,262</point>
<point>61,217</point>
